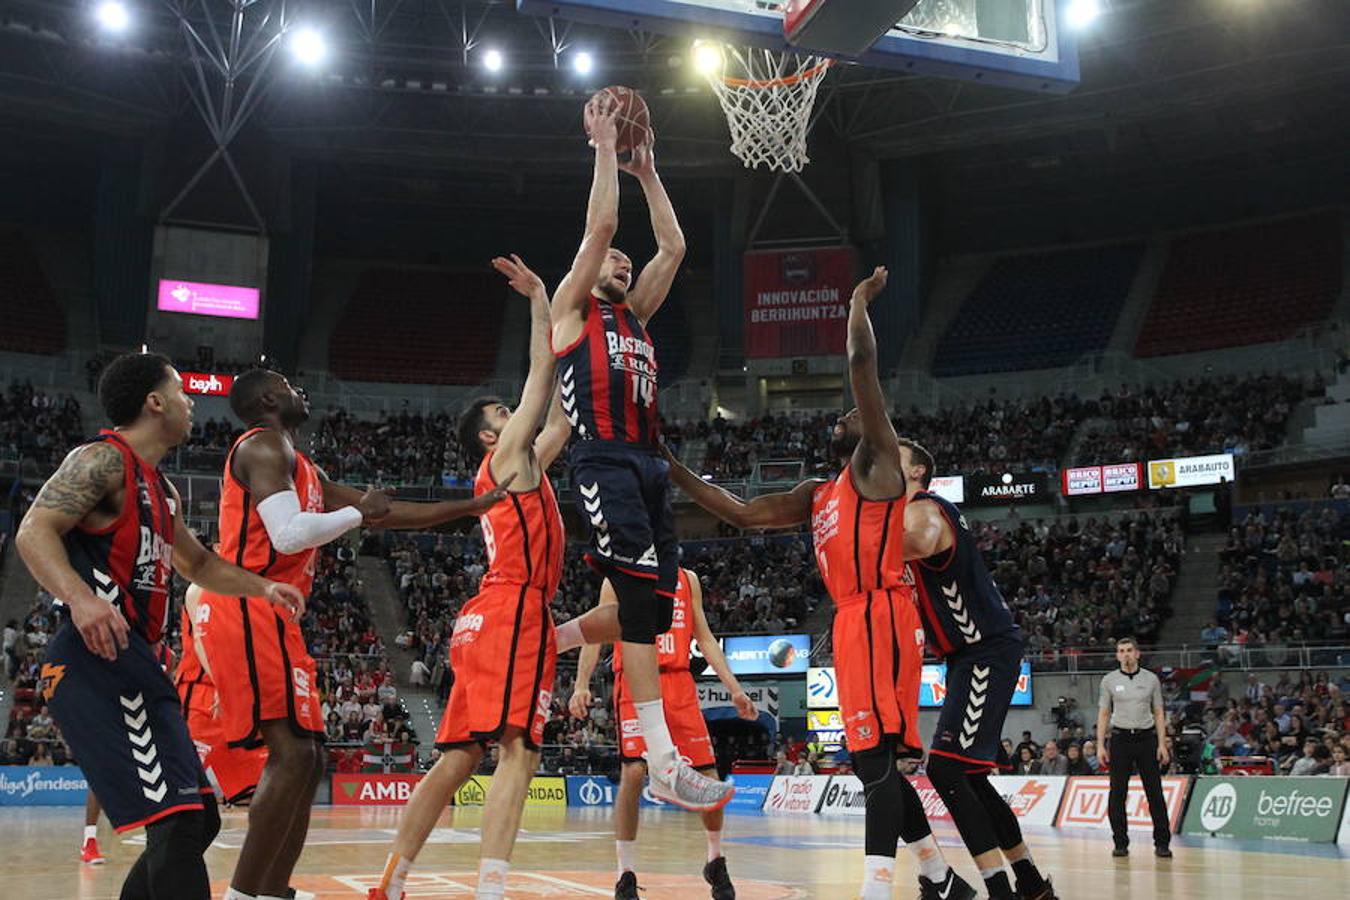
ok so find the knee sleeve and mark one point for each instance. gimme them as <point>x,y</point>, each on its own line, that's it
<point>954,786</point>
<point>665,613</point>
<point>210,820</point>
<point>889,815</point>
<point>637,608</point>
<point>173,856</point>
<point>1004,820</point>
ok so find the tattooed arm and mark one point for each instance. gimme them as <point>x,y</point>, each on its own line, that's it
<point>85,489</point>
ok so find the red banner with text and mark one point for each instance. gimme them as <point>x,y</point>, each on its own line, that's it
<point>796,301</point>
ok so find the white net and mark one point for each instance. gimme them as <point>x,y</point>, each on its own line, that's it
<point>767,97</point>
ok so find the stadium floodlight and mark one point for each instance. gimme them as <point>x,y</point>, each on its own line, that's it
<point>493,60</point>
<point>707,58</point>
<point>113,15</point>
<point>1082,13</point>
<point>583,63</point>
<point>308,46</point>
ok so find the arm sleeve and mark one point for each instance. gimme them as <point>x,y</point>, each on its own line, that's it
<point>1104,700</point>
<point>291,530</point>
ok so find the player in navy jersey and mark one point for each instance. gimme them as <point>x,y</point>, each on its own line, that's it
<point>104,536</point>
<point>607,386</point>
<point>967,623</point>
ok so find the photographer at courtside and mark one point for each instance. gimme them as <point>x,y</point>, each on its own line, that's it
<point>1131,704</point>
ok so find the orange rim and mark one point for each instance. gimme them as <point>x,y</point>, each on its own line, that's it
<point>778,82</point>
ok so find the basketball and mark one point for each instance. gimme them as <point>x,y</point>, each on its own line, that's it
<point>782,653</point>
<point>635,120</point>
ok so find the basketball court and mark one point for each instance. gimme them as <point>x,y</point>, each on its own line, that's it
<point>569,853</point>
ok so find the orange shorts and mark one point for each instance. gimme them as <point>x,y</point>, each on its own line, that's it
<point>878,662</point>
<point>684,718</point>
<point>503,655</point>
<point>262,670</point>
<point>234,771</point>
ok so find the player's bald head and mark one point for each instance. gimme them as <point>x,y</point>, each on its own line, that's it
<point>247,395</point>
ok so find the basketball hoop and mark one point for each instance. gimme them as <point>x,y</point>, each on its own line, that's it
<point>767,97</point>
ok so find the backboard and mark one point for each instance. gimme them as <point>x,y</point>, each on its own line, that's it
<point>1013,43</point>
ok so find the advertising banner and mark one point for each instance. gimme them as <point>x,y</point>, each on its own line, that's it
<point>934,807</point>
<point>1344,836</point>
<point>1112,479</point>
<point>372,789</point>
<point>949,487</point>
<point>202,299</point>
<point>795,795</point>
<point>1033,798</point>
<point>590,790</point>
<point>822,692</point>
<point>543,791</point>
<point>207,383</point>
<point>796,301</point>
<point>933,686</point>
<point>1085,798</point>
<point>827,727</point>
<point>844,796</point>
<point>715,696</point>
<point>42,786</point>
<point>783,654</point>
<point>1190,471</point>
<point>751,791</point>
<point>1279,809</point>
<point>1006,489</point>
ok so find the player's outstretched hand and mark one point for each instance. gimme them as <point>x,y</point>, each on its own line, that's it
<point>602,122</point>
<point>580,704</point>
<point>745,707</point>
<point>101,625</point>
<point>485,501</point>
<point>873,284</point>
<point>375,504</point>
<point>521,278</point>
<point>286,596</point>
<point>643,161</point>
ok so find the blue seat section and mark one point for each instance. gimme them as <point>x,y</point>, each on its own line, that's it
<point>1039,311</point>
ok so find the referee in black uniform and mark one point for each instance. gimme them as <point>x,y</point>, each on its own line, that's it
<point>1131,704</point>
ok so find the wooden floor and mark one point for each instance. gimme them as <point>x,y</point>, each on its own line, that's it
<point>570,854</point>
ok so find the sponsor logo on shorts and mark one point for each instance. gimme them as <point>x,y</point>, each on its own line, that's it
<point>50,678</point>
<point>631,728</point>
<point>301,679</point>
<point>467,628</point>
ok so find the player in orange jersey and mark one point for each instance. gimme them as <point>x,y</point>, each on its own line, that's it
<point>234,771</point>
<point>276,509</point>
<point>503,651</point>
<point>684,718</point>
<point>860,526</point>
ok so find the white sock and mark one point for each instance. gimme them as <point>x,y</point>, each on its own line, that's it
<point>929,857</point>
<point>990,872</point>
<point>878,876</point>
<point>234,894</point>
<point>625,850</point>
<point>569,636</point>
<point>714,845</point>
<point>91,832</point>
<point>492,878</point>
<point>395,874</point>
<point>660,748</point>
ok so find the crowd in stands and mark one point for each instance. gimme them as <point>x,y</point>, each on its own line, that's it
<point>1196,417</point>
<point>1081,582</point>
<point>1284,577</point>
<point>38,426</point>
<point>402,448</point>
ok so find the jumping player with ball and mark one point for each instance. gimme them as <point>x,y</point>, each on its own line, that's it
<point>607,374</point>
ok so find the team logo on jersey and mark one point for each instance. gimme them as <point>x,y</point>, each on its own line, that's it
<point>631,728</point>
<point>825,522</point>
<point>50,678</point>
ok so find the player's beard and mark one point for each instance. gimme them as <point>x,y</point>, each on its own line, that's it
<point>843,445</point>
<point>295,414</point>
<point>612,291</point>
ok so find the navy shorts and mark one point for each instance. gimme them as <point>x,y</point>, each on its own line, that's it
<point>981,680</point>
<point>125,727</point>
<point>623,495</point>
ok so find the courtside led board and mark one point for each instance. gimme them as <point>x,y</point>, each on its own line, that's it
<point>1017,44</point>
